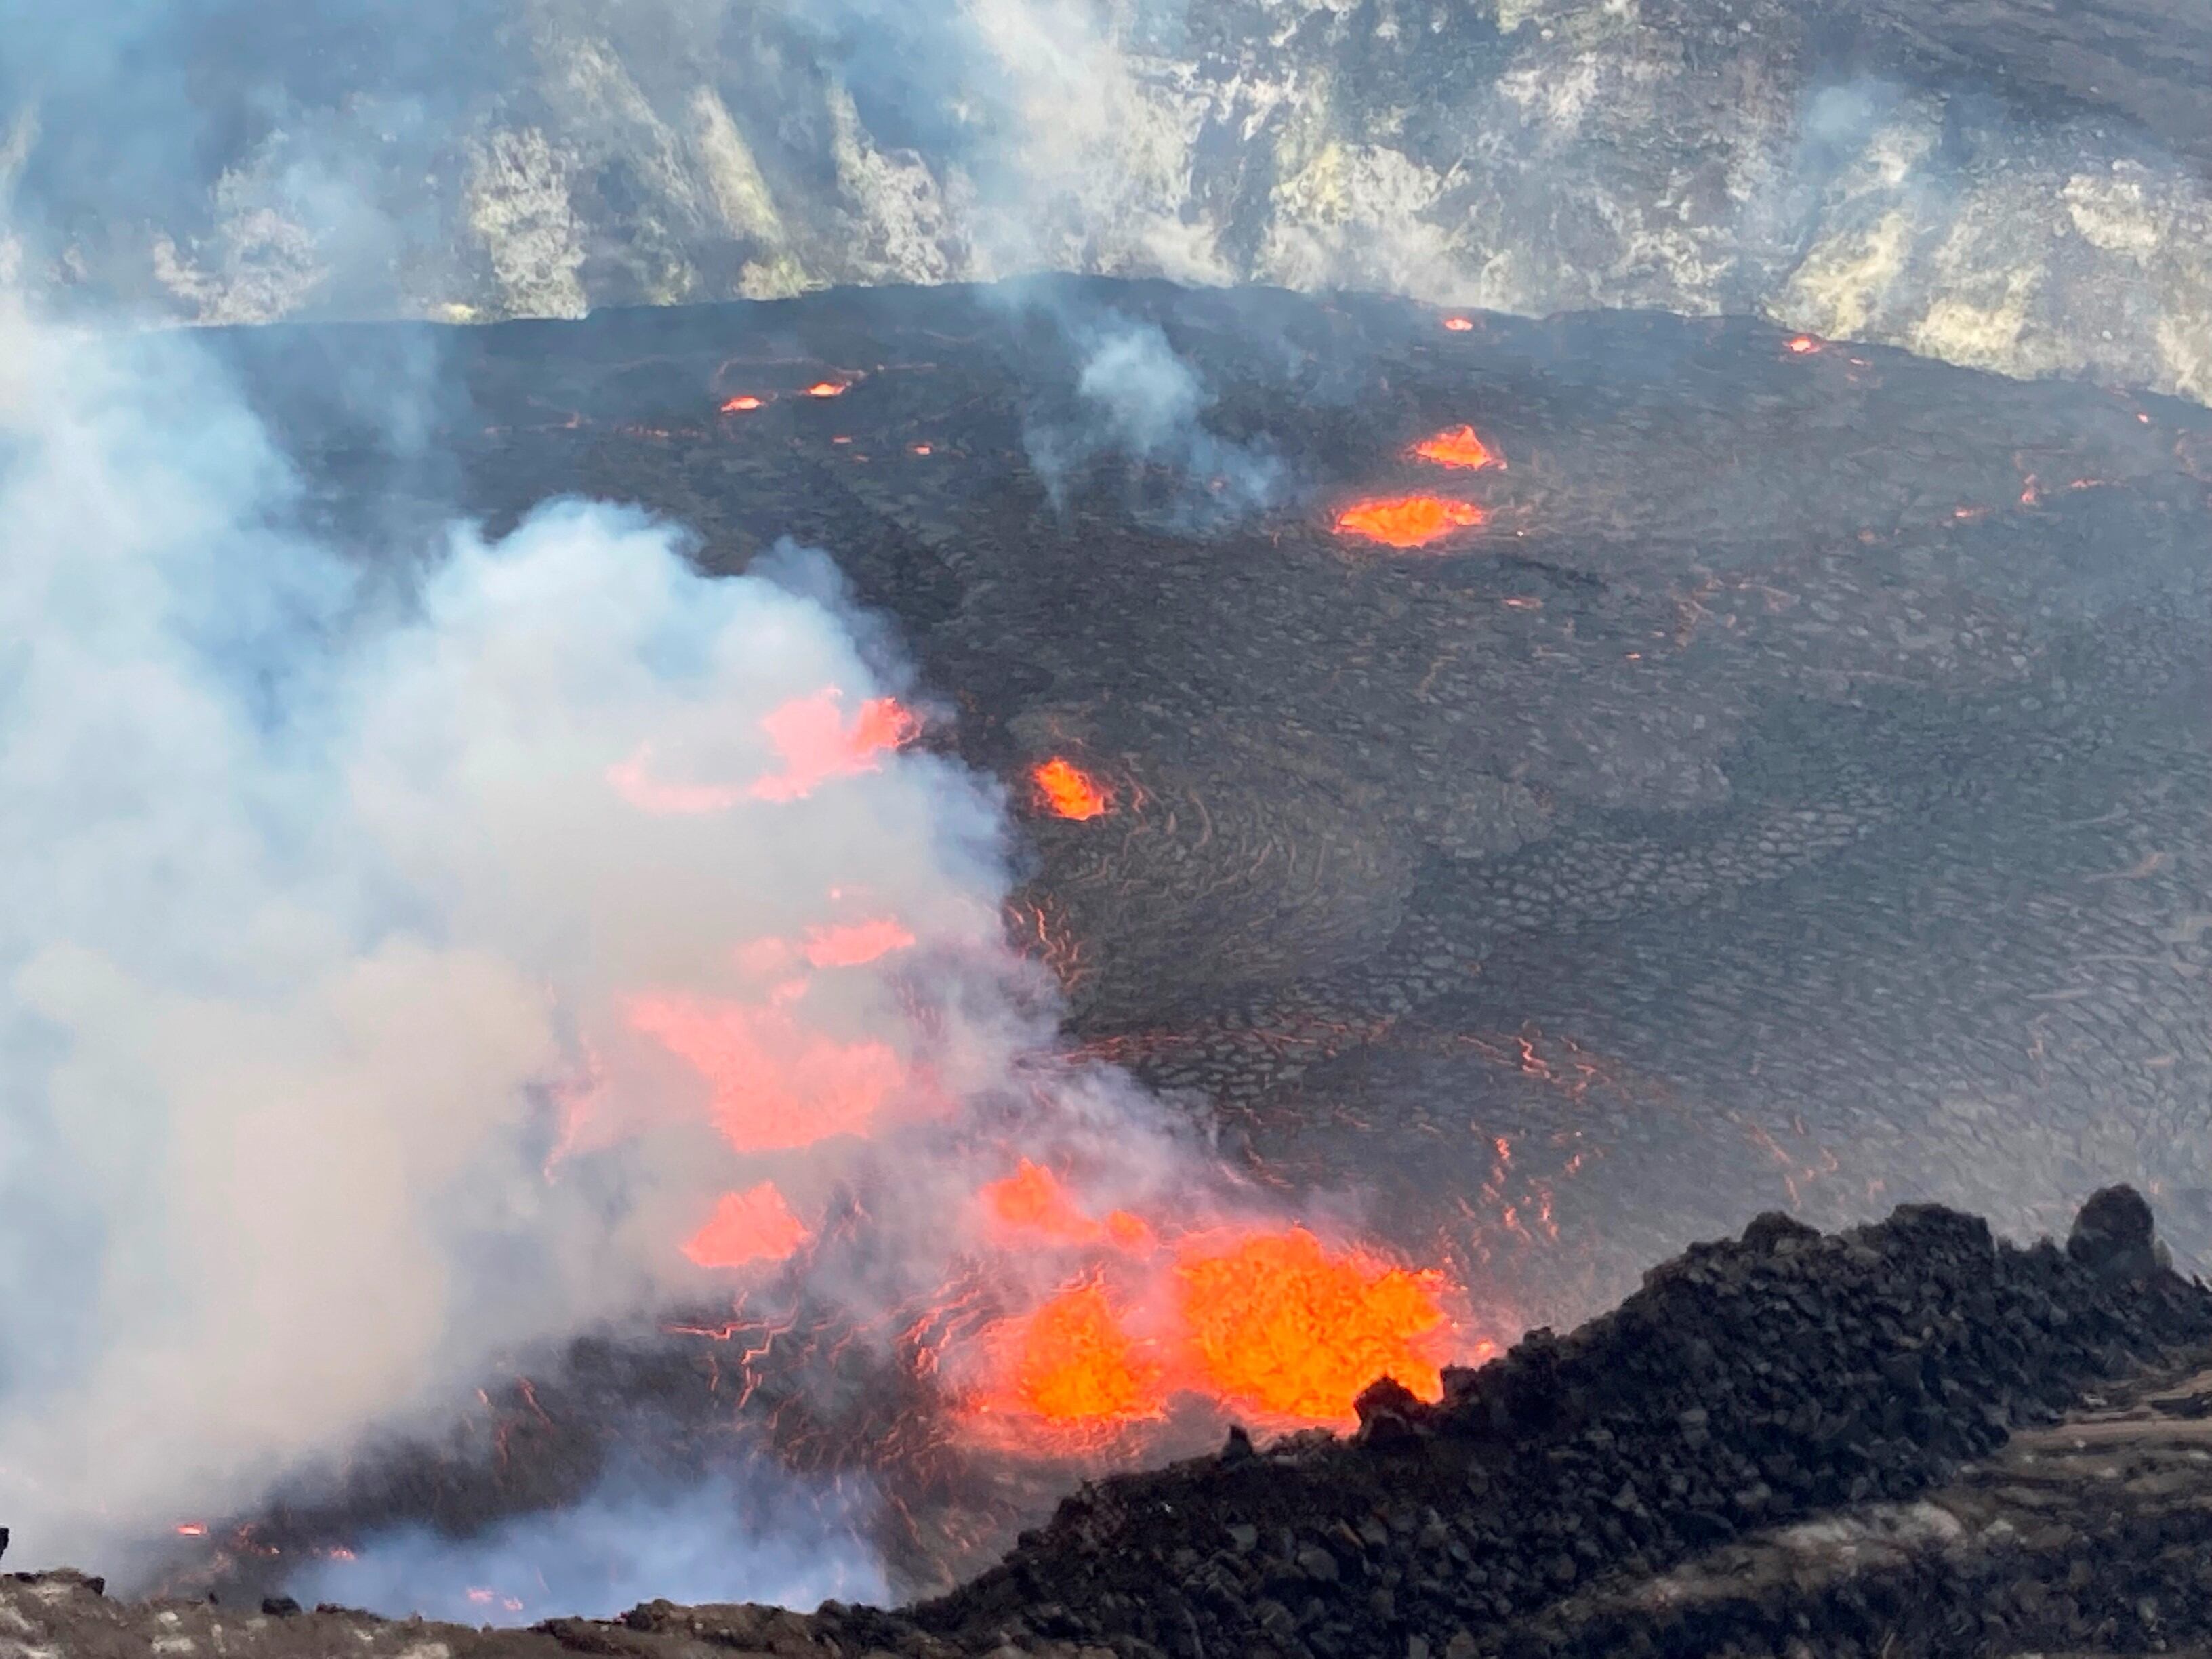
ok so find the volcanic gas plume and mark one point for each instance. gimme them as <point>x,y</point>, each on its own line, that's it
<point>397,988</point>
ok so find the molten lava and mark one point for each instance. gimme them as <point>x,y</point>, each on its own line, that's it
<point>1460,324</point>
<point>816,743</point>
<point>743,403</point>
<point>1279,1326</point>
<point>1073,1363</point>
<point>1032,1200</point>
<point>754,1225</point>
<point>1408,520</point>
<point>1803,345</point>
<point>850,945</point>
<point>1456,446</point>
<point>1069,791</point>
<point>826,389</point>
<point>774,1085</point>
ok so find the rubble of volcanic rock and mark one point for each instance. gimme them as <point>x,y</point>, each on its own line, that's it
<point>1907,1438</point>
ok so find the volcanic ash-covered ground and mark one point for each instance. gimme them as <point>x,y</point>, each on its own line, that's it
<point>1549,791</point>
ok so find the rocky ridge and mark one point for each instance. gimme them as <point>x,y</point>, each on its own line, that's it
<point>1909,1437</point>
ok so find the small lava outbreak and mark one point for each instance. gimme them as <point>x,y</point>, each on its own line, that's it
<point>1408,520</point>
<point>743,403</point>
<point>1457,446</point>
<point>1066,790</point>
<point>754,1225</point>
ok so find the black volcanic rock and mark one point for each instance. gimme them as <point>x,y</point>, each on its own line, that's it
<point>1747,1383</point>
<point>2114,1235</point>
<point>1871,1379</point>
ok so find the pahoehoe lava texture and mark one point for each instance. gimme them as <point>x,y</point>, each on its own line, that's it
<point>1961,1416</point>
<point>1795,795</point>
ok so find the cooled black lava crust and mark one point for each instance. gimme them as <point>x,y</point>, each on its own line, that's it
<point>1795,795</point>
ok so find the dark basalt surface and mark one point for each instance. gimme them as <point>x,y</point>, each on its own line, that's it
<point>1795,796</point>
<point>1641,1485</point>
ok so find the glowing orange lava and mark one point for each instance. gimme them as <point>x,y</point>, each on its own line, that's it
<point>1456,446</point>
<point>754,1225</point>
<point>1803,345</point>
<point>826,389</point>
<point>1280,1326</point>
<point>849,945</point>
<point>192,1529</point>
<point>1072,1362</point>
<point>1031,1200</point>
<point>743,403</point>
<point>1408,520</point>
<point>775,1084</point>
<point>817,743</point>
<point>1069,791</point>
<point>1459,325</point>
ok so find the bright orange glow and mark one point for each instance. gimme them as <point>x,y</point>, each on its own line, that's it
<point>1459,325</point>
<point>919,449</point>
<point>775,1084</point>
<point>1456,446</point>
<point>826,389</point>
<point>815,742</point>
<point>1408,520</point>
<point>1032,1200</point>
<point>192,1529</point>
<point>743,403</point>
<point>1279,1325</point>
<point>1072,1362</point>
<point>1069,791</point>
<point>754,1225</point>
<point>1803,344</point>
<point>1128,1231</point>
<point>851,944</point>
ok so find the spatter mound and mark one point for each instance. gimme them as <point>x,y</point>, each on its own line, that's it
<point>1748,1386</point>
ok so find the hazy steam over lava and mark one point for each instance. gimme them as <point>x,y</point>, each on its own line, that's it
<point>397,986</point>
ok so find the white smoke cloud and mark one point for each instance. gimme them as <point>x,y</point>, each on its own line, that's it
<point>1137,399</point>
<point>376,977</point>
<point>765,1539</point>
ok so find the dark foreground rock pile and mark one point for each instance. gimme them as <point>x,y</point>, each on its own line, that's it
<point>1746,1383</point>
<point>1907,1438</point>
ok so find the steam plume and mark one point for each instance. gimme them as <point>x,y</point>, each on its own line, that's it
<point>1136,399</point>
<point>393,986</point>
